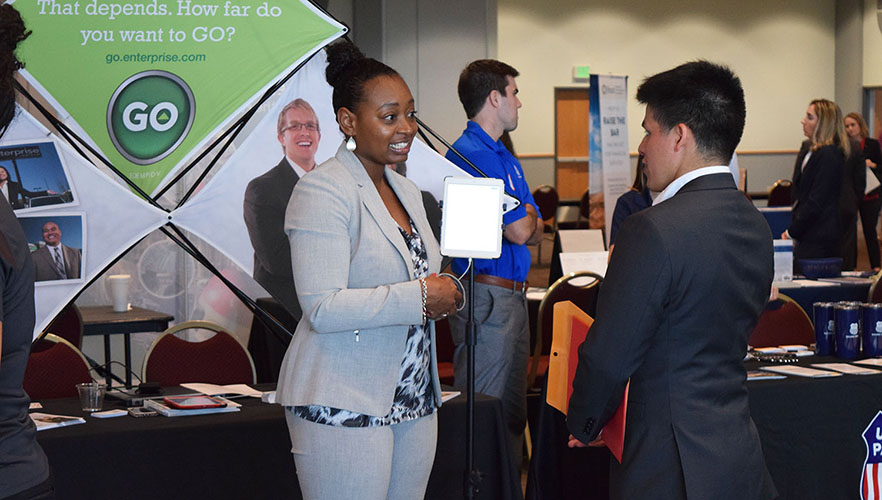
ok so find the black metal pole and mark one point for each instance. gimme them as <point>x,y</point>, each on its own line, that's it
<point>472,475</point>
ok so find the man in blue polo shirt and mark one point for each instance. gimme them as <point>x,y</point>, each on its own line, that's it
<point>488,92</point>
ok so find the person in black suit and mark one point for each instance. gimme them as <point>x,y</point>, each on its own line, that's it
<point>266,199</point>
<point>816,224</point>
<point>15,193</point>
<point>24,469</point>
<point>685,286</point>
<point>871,202</point>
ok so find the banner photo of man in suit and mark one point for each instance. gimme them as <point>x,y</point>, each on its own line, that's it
<point>116,218</point>
<point>266,199</point>
<point>249,194</point>
<point>57,251</point>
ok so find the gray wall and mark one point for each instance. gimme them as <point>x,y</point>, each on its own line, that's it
<point>763,169</point>
<point>428,43</point>
<point>849,55</point>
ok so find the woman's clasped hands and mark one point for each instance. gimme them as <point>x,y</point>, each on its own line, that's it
<point>442,297</point>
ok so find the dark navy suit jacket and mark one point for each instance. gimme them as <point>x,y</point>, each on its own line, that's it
<point>817,189</point>
<point>685,286</point>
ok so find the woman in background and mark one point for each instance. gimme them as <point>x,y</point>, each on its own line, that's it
<point>817,180</point>
<point>14,193</point>
<point>871,203</point>
<point>632,201</point>
<point>359,381</point>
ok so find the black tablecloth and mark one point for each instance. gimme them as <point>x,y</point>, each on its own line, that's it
<point>808,295</point>
<point>239,455</point>
<point>811,432</point>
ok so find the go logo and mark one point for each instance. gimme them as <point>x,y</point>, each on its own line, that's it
<point>149,115</point>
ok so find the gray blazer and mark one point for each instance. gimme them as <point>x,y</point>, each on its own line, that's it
<point>356,286</point>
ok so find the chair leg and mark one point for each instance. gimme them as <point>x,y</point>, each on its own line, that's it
<point>528,440</point>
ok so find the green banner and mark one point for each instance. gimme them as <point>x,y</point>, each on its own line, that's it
<point>149,81</point>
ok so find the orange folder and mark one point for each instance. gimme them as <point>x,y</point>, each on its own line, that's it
<point>570,327</point>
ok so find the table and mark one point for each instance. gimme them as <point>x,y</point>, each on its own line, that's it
<point>779,219</point>
<point>810,429</point>
<point>103,320</point>
<point>806,296</point>
<point>246,454</point>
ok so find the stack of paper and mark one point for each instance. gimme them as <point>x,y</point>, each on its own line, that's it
<point>800,371</point>
<point>847,368</point>
<point>45,421</point>
<point>222,390</point>
<point>164,409</point>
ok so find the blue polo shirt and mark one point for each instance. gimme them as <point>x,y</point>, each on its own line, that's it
<point>492,157</point>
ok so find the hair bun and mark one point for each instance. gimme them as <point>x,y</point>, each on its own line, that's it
<point>12,28</point>
<point>340,56</point>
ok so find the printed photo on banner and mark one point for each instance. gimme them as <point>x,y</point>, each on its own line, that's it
<point>298,132</point>
<point>33,176</point>
<point>56,243</point>
<point>248,196</point>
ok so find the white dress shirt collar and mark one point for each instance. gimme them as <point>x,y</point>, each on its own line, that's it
<point>300,172</point>
<point>675,186</point>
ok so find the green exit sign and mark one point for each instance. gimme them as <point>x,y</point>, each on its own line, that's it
<point>581,72</point>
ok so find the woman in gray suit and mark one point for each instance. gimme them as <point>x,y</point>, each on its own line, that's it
<point>359,380</point>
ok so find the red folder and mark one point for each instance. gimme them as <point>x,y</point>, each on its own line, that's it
<point>570,327</point>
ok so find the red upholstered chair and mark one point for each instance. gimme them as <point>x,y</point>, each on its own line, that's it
<point>220,359</point>
<point>581,289</point>
<point>444,347</point>
<point>548,200</point>
<point>54,371</point>
<point>779,195</point>
<point>783,322</point>
<point>67,325</point>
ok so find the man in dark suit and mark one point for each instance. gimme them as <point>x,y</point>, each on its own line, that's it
<point>55,261</point>
<point>266,199</point>
<point>686,284</point>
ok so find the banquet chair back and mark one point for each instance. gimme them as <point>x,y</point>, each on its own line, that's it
<point>783,322</point>
<point>780,194</point>
<point>220,359</point>
<point>875,295</point>
<point>547,199</point>
<point>580,288</point>
<point>585,208</point>
<point>67,325</point>
<point>54,371</point>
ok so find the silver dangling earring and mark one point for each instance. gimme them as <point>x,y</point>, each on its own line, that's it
<point>350,143</point>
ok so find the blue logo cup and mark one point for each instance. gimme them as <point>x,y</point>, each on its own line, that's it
<point>848,331</point>
<point>871,329</point>
<point>825,336</point>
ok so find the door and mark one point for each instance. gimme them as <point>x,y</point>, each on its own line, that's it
<point>571,122</point>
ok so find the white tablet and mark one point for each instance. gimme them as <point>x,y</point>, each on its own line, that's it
<point>471,218</point>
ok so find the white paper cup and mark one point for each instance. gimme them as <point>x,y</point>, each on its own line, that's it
<point>119,290</point>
